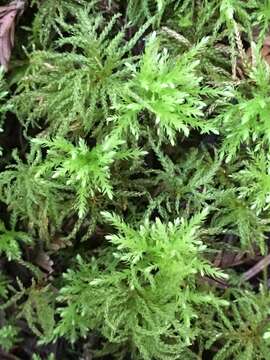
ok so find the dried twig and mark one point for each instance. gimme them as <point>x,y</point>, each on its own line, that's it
<point>228,259</point>
<point>256,268</point>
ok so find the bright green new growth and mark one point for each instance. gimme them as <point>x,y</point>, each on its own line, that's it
<point>151,274</point>
<point>169,91</point>
<point>82,170</point>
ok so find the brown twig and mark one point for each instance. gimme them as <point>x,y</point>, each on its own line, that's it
<point>254,270</point>
<point>228,259</point>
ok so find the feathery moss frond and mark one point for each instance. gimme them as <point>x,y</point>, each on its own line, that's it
<point>169,91</point>
<point>74,90</point>
<point>151,275</point>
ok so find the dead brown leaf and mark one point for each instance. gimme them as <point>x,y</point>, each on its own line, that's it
<point>58,243</point>
<point>8,15</point>
<point>43,260</point>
